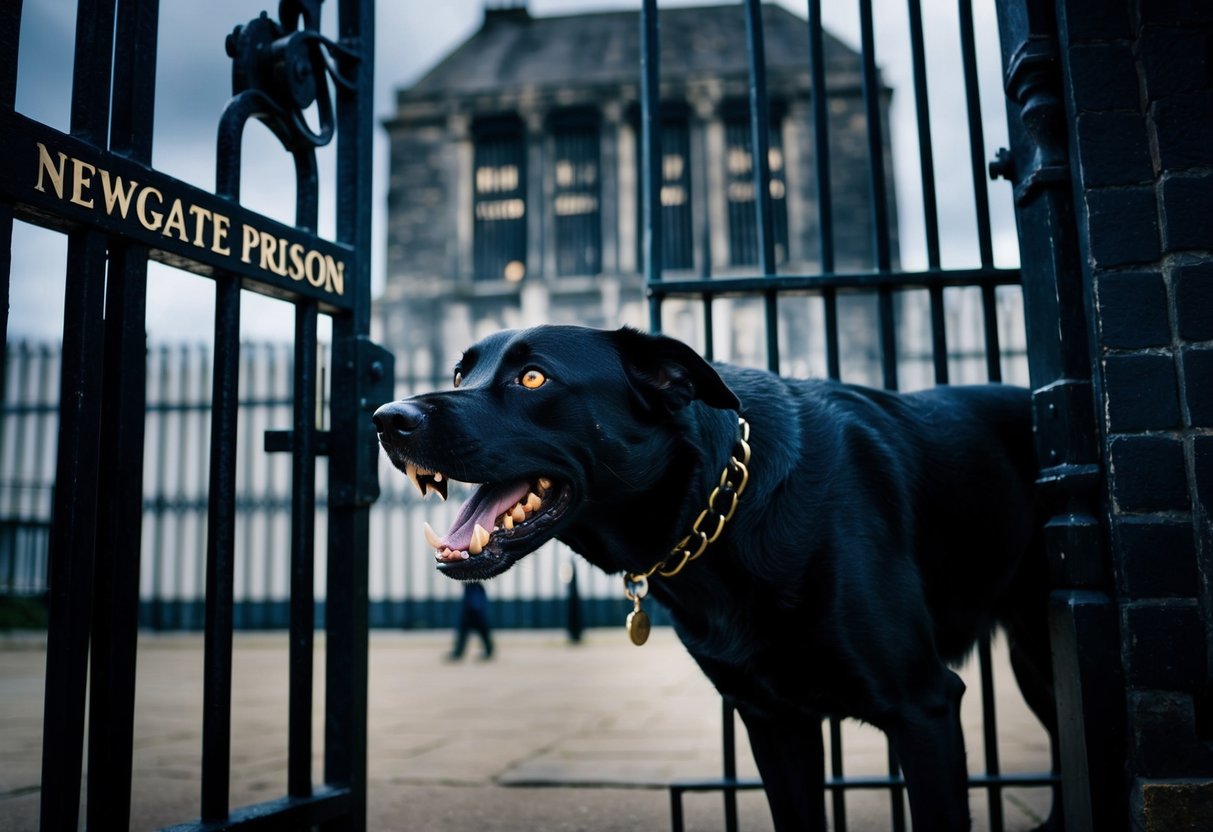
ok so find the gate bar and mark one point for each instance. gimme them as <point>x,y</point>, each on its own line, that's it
<point>926,156</point>
<point>74,517</point>
<point>930,205</point>
<point>760,140</point>
<point>221,510</point>
<point>303,519</point>
<point>968,53</point>
<point>650,148</point>
<point>352,469</point>
<point>989,732</point>
<point>760,164</point>
<point>220,552</point>
<point>837,796</point>
<point>878,190</point>
<point>825,200</point>
<point>303,502</point>
<point>10,37</point>
<point>116,591</point>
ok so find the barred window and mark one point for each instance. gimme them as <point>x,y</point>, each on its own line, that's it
<point>499,200</point>
<point>739,191</point>
<point>677,232</point>
<point>576,198</point>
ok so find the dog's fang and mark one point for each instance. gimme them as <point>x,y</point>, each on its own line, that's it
<point>480,539</point>
<point>439,489</point>
<point>507,522</point>
<point>431,536</point>
<point>544,484</point>
<point>532,501</point>
<point>518,513</point>
<point>411,471</point>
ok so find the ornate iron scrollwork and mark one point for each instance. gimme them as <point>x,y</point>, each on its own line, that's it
<point>287,65</point>
<point>1033,81</point>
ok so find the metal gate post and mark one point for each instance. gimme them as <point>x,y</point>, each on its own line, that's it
<point>1082,615</point>
<point>363,378</point>
<point>115,626</point>
<point>74,518</point>
<point>10,36</point>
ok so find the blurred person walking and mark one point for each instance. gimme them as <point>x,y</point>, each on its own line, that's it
<point>473,616</point>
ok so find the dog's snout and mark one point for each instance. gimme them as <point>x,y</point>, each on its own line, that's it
<point>399,418</point>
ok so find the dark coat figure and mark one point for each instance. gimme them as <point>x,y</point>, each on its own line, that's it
<point>473,616</point>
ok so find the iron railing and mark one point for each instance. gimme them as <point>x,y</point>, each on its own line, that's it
<point>405,592</point>
<point>886,283</point>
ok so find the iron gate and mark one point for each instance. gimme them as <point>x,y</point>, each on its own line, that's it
<point>885,281</point>
<point>95,184</point>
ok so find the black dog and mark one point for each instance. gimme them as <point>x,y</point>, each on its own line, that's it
<point>877,537</point>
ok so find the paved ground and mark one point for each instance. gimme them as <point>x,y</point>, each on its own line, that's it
<point>546,736</point>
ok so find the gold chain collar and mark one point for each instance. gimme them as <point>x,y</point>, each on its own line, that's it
<point>733,481</point>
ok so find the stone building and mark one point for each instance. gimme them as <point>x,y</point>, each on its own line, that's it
<point>515,194</point>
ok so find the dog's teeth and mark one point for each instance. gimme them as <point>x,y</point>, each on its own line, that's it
<point>544,484</point>
<point>507,521</point>
<point>411,471</point>
<point>437,476</point>
<point>532,501</point>
<point>480,539</point>
<point>447,555</point>
<point>431,536</point>
<point>518,513</point>
<point>430,488</point>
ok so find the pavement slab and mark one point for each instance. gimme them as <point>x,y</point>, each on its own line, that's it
<point>547,735</point>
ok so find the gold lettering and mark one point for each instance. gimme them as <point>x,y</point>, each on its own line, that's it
<point>45,165</point>
<point>314,276</point>
<point>114,193</point>
<point>252,238</point>
<point>296,272</point>
<point>80,182</point>
<point>219,234</point>
<point>269,250</point>
<point>176,220</point>
<point>200,216</point>
<point>334,274</point>
<point>142,213</point>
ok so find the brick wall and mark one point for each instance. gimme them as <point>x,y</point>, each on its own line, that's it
<point>1140,97</point>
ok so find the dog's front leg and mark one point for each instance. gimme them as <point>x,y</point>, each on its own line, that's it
<point>929,742</point>
<point>789,754</point>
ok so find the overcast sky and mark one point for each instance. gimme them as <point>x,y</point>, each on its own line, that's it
<point>193,84</point>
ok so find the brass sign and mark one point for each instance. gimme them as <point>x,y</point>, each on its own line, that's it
<point>66,180</point>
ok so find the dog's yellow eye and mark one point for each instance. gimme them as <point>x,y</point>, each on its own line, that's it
<point>533,379</point>
<point>458,378</point>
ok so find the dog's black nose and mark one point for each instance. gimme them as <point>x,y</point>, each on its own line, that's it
<point>399,417</point>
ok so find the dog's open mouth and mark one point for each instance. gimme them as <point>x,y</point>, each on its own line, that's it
<point>499,523</point>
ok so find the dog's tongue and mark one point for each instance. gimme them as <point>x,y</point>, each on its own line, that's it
<point>483,508</point>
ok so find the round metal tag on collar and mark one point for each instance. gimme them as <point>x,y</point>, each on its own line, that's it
<point>635,588</point>
<point>638,625</point>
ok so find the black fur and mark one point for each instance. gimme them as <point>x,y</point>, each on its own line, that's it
<point>880,535</point>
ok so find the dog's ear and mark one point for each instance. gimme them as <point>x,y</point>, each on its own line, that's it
<point>668,375</point>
